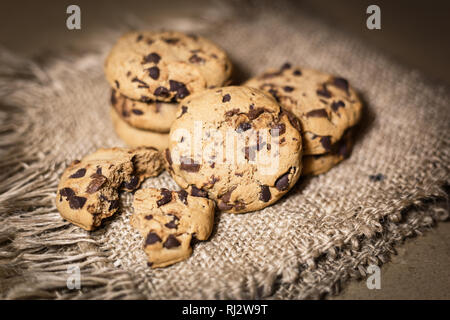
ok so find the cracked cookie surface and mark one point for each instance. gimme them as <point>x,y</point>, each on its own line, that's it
<point>168,220</point>
<point>165,66</point>
<point>235,145</point>
<point>150,115</point>
<point>325,105</point>
<point>88,189</point>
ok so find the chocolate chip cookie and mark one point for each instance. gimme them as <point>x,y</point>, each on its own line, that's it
<point>165,66</point>
<point>168,220</point>
<point>88,190</point>
<point>150,115</point>
<point>137,137</point>
<point>325,105</point>
<point>235,145</point>
<point>321,163</point>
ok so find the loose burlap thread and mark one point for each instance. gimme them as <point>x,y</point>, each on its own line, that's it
<point>324,231</point>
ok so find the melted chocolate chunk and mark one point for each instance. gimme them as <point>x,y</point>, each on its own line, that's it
<point>265,195</point>
<point>282,183</point>
<point>255,113</point>
<point>161,92</point>
<point>324,92</point>
<point>326,142</point>
<point>317,113</point>
<point>196,59</point>
<point>152,238</point>
<point>182,195</point>
<point>196,192</point>
<point>67,192</point>
<point>274,94</point>
<point>166,197</point>
<point>79,174</point>
<point>179,88</point>
<point>171,242</point>
<point>148,217</point>
<point>293,120</point>
<point>132,184</point>
<point>341,83</point>
<point>336,105</point>
<point>152,58</point>
<point>224,206</point>
<point>244,126</point>
<point>137,112</point>
<point>226,98</point>
<point>189,165</point>
<point>153,72</point>
<point>96,183</point>
<point>172,224</point>
<point>76,202</point>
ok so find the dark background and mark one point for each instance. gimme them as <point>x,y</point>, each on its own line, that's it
<point>415,33</point>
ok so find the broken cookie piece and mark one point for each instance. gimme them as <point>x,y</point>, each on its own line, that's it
<point>168,220</point>
<point>88,190</point>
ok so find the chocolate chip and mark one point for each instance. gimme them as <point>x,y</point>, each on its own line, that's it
<point>114,204</point>
<point>182,195</point>
<point>96,183</point>
<point>171,40</point>
<point>232,112</point>
<point>326,142</point>
<point>152,238</point>
<point>149,264</point>
<point>336,105</point>
<point>293,120</point>
<point>152,58</point>
<point>171,242</point>
<point>161,92</point>
<point>184,109</point>
<point>317,113</point>
<point>99,170</point>
<point>226,98</point>
<point>79,174</point>
<point>117,84</point>
<point>172,224</point>
<point>224,206</point>
<point>166,197</point>
<point>196,59</point>
<point>137,112</point>
<point>285,66</point>
<point>281,127</point>
<point>255,113</point>
<point>146,99</point>
<point>282,183</point>
<point>297,72</point>
<point>227,195</point>
<point>196,192</point>
<point>341,83</point>
<point>189,165</point>
<point>139,37</point>
<point>288,89</point>
<point>76,202</point>
<point>67,192</point>
<point>142,84</point>
<point>180,89</point>
<point>265,194</point>
<point>243,126</point>
<point>132,184</point>
<point>153,72</point>
<point>148,217</point>
<point>324,92</point>
<point>274,94</point>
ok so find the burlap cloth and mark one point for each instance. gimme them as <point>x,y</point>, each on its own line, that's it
<point>326,230</point>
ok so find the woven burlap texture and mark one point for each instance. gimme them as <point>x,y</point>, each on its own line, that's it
<point>54,113</point>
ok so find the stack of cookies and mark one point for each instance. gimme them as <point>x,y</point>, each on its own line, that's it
<point>234,148</point>
<point>327,107</point>
<point>150,72</point>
